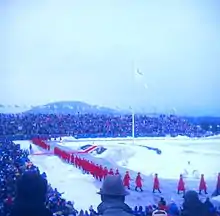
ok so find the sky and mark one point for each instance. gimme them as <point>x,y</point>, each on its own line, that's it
<point>59,50</point>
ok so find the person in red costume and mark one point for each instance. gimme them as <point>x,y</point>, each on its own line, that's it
<point>117,172</point>
<point>76,161</point>
<point>101,173</point>
<point>156,185</point>
<point>202,185</point>
<point>72,159</point>
<point>126,180</point>
<point>105,172</point>
<point>96,171</point>
<point>181,185</point>
<point>138,182</point>
<point>111,172</point>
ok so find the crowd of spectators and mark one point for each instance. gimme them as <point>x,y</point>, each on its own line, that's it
<point>91,125</point>
<point>15,165</point>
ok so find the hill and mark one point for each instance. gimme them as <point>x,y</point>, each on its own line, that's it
<point>71,107</point>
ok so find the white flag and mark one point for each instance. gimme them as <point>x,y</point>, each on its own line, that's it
<point>130,108</point>
<point>138,74</point>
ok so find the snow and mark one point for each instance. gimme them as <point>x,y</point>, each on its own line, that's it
<point>168,138</point>
<point>148,162</point>
<point>203,155</point>
<point>25,145</point>
<point>66,178</point>
<point>69,180</point>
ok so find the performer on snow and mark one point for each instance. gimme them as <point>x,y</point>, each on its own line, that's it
<point>218,185</point>
<point>97,171</point>
<point>105,172</point>
<point>181,185</point>
<point>156,184</point>
<point>117,172</point>
<point>31,149</point>
<point>126,180</point>
<point>111,172</point>
<point>202,185</point>
<point>72,159</point>
<point>101,173</point>
<point>217,189</point>
<point>138,182</point>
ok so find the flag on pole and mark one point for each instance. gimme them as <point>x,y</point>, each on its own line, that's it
<point>138,74</point>
<point>139,77</point>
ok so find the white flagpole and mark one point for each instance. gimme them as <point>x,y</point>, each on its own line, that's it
<point>133,125</point>
<point>132,108</point>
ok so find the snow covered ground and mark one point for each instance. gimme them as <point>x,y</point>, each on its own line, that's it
<point>65,178</point>
<point>173,161</point>
<point>203,155</point>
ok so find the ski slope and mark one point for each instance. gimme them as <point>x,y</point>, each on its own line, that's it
<point>203,155</point>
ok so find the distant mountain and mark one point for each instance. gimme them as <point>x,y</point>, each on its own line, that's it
<point>75,107</point>
<point>71,107</point>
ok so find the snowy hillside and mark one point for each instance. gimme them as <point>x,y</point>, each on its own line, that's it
<point>71,107</point>
<point>62,107</point>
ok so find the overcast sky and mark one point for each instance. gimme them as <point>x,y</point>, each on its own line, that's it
<point>88,50</point>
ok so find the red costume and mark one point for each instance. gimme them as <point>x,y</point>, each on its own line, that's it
<point>105,172</point>
<point>138,182</point>
<point>72,159</point>
<point>111,172</point>
<point>97,171</point>
<point>126,180</point>
<point>181,185</point>
<point>156,183</point>
<point>101,173</point>
<point>76,161</point>
<point>202,185</point>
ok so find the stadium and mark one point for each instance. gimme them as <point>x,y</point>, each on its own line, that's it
<point>109,108</point>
